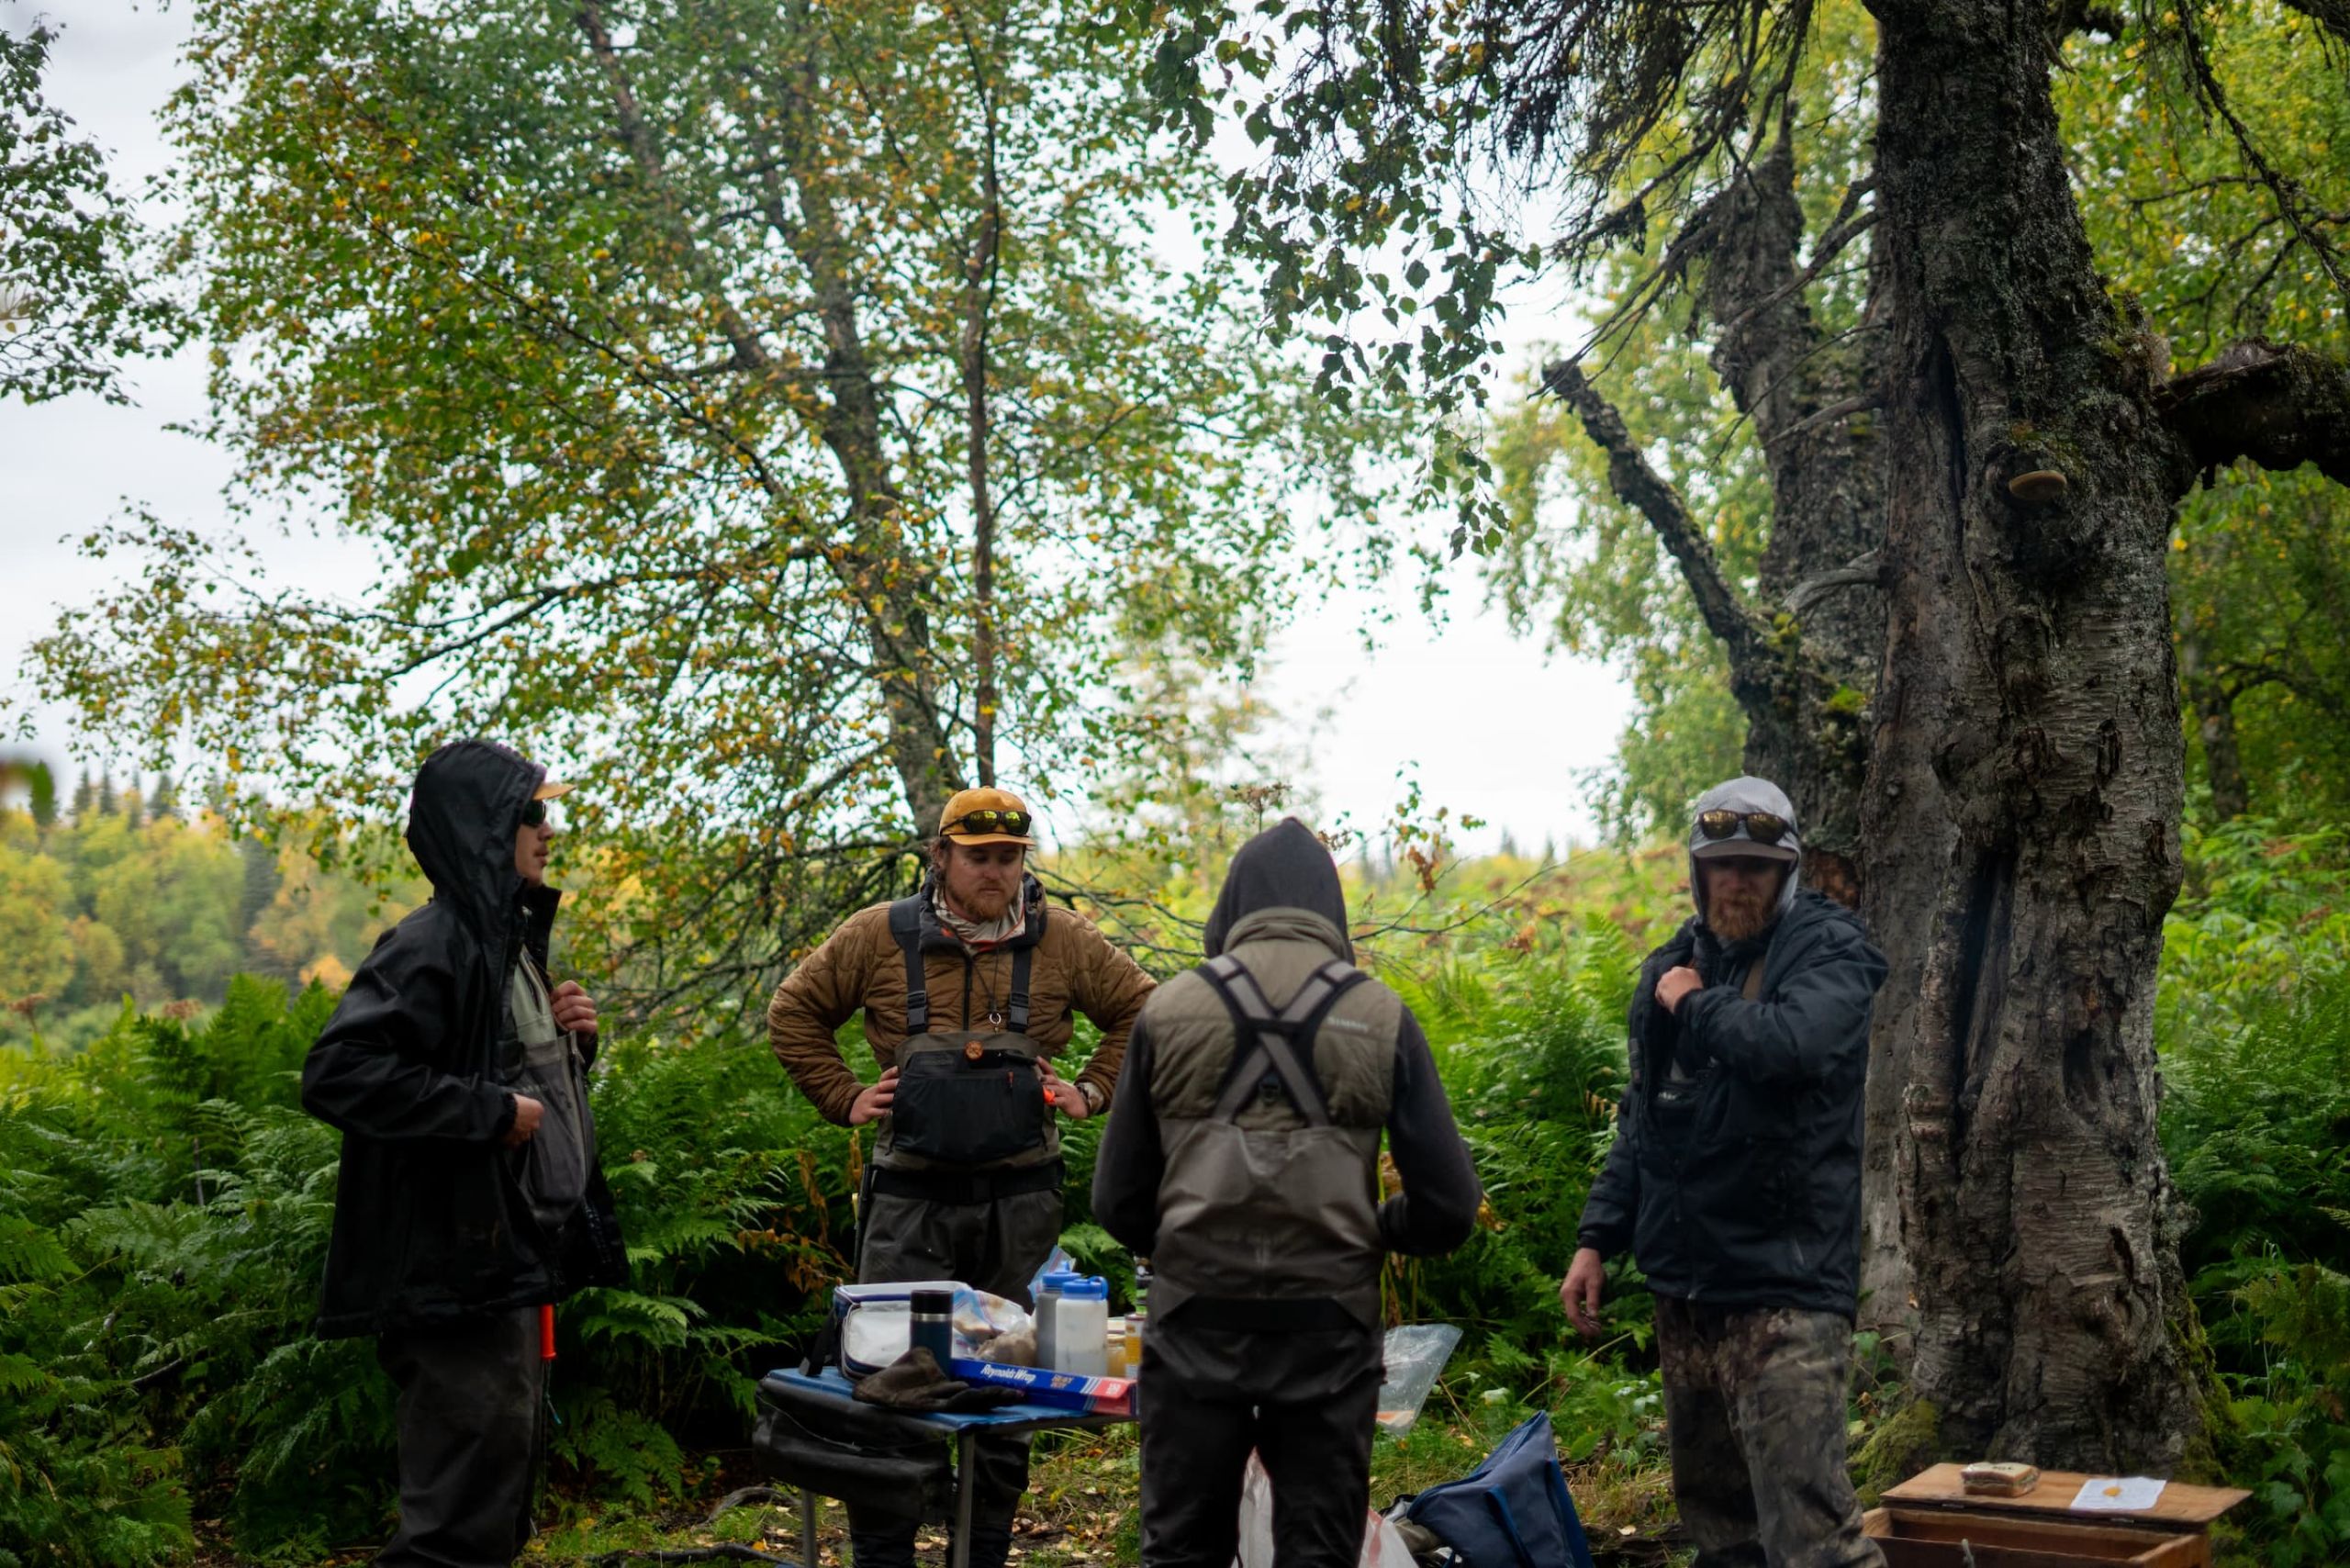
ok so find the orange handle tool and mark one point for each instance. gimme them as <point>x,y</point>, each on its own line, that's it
<point>547,1331</point>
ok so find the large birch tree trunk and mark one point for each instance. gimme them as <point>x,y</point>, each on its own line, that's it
<point>2025,787</point>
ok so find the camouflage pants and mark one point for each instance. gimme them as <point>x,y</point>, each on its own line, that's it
<point>1754,1410</point>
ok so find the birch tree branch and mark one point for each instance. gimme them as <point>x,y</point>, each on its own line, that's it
<point>1639,486</point>
<point>2279,404</point>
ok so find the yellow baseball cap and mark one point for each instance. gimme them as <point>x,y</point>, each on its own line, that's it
<point>549,789</point>
<point>986,816</point>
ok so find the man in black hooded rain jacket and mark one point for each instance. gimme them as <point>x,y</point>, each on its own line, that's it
<point>1242,1160</point>
<point>1735,1180</point>
<point>469,1193</point>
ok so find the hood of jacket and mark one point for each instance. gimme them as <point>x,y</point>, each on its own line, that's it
<point>1287,867</point>
<point>1747,794</point>
<point>462,821</point>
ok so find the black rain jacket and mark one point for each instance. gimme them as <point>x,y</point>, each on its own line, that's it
<point>1752,1197</point>
<point>430,1225</point>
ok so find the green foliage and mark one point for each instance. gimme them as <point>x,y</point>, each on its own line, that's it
<point>168,1212</point>
<point>2189,226</point>
<point>164,1210</point>
<point>778,416</point>
<point>164,1207</point>
<point>73,303</point>
<point>1530,1044</point>
<point>2254,1021</point>
<point>139,901</point>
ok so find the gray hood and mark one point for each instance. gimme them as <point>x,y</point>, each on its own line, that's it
<point>1747,794</point>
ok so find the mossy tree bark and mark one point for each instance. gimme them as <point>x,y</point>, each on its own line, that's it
<point>2029,755</point>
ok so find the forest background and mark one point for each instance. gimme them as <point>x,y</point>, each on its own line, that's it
<point>778,415</point>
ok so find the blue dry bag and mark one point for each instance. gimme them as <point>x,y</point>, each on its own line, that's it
<point>1513,1511</point>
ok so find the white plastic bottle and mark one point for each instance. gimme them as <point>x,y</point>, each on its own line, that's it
<point>1048,1302</point>
<point>1082,1327</point>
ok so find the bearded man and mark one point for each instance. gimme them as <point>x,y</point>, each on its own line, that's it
<point>1735,1180</point>
<point>969,989</point>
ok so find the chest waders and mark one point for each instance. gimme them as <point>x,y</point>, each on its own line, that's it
<point>1269,1227</point>
<point>970,1121</point>
<point>965,1185</point>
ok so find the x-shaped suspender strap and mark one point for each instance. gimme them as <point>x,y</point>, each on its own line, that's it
<point>905,928</point>
<point>1276,1035</point>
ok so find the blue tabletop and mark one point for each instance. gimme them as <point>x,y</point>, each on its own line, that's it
<point>833,1383</point>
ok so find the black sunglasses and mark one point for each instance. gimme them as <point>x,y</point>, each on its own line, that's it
<point>990,820</point>
<point>535,814</point>
<point>1762,827</point>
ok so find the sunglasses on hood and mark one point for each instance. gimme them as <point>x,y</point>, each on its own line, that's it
<point>1762,827</point>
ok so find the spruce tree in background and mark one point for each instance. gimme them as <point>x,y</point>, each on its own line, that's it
<point>44,796</point>
<point>261,882</point>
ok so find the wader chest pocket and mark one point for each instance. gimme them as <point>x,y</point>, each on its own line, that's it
<point>963,1109</point>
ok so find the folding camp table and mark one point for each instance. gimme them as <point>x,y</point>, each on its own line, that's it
<point>963,1431</point>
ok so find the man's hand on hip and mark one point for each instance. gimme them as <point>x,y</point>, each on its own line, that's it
<point>1676,983</point>
<point>874,1104</point>
<point>575,1010</point>
<point>1071,1098</point>
<point>1579,1292</point>
<point>528,1115</point>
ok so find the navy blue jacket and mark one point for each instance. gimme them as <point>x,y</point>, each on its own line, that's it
<point>1750,1197</point>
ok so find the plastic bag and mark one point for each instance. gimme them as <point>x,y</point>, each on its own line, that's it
<point>1416,1354</point>
<point>1056,1262</point>
<point>1382,1546</point>
<point>986,1325</point>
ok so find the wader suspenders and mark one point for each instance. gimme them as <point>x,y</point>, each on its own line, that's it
<point>1270,1044</point>
<point>1274,1037</point>
<point>956,1186</point>
<point>905,925</point>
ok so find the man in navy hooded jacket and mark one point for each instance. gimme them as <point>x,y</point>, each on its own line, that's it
<point>469,1193</point>
<point>1735,1180</point>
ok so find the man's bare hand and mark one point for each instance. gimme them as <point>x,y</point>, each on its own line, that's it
<point>874,1104</point>
<point>1674,984</point>
<point>528,1115</point>
<point>575,1010</point>
<point>1069,1096</point>
<point>1579,1292</point>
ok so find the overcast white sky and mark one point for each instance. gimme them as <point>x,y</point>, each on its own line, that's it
<point>1491,727</point>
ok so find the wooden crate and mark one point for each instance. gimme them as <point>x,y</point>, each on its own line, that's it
<point>1931,1521</point>
<point>1953,1538</point>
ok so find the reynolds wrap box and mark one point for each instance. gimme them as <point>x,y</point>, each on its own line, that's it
<point>1042,1385</point>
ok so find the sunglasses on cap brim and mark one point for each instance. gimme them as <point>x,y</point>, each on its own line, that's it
<point>988,818</point>
<point>1762,827</point>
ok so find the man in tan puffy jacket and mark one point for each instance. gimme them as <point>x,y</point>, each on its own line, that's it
<point>968,990</point>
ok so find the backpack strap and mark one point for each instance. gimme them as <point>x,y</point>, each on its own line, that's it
<point>905,925</point>
<point>1277,1036</point>
<point>1750,987</point>
<point>1016,1015</point>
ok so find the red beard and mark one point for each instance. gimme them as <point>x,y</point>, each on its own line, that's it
<point>1738,916</point>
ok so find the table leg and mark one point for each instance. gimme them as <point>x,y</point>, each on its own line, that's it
<point>807,1529</point>
<point>959,1551</point>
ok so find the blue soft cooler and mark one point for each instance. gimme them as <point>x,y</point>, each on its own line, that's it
<point>1513,1511</point>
